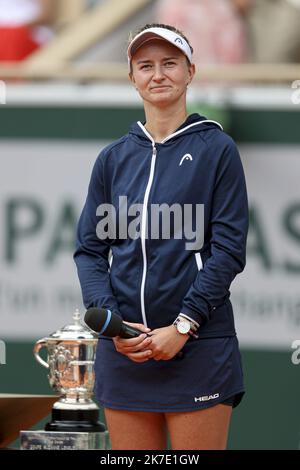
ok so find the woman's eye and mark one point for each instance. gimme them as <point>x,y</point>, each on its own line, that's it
<point>170,64</point>
<point>145,67</point>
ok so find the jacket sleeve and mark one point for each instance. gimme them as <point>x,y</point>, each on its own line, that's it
<point>228,227</point>
<point>91,255</point>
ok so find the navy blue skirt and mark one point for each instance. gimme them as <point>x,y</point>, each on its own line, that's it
<point>209,372</point>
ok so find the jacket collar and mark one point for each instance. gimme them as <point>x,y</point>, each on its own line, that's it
<point>190,125</point>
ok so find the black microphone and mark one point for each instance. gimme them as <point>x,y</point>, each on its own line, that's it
<point>110,324</point>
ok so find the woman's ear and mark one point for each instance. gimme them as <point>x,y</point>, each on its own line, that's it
<point>192,71</point>
<point>131,78</point>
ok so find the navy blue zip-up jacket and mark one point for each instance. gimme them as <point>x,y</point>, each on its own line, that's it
<point>152,280</point>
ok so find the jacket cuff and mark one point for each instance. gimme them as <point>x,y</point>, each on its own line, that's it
<point>193,315</point>
<point>195,323</point>
<point>203,311</point>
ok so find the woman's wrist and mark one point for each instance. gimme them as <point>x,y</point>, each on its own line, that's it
<point>183,337</point>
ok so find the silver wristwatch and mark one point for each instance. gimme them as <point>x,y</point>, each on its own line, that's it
<point>185,326</point>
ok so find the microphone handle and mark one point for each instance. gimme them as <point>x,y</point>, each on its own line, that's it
<point>128,332</point>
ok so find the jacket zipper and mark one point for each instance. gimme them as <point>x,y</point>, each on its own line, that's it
<point>143,230</point>
<point>145,204</point>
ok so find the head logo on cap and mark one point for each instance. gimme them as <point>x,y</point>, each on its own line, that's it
<point>179,41</point>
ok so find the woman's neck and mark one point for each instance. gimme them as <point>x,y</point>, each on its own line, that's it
<point>161,123</point>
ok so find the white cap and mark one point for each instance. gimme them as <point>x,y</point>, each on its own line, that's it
<point>159,33</point>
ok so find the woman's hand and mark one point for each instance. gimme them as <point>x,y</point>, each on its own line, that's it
<point>136,349</point>
<point>166,343</point>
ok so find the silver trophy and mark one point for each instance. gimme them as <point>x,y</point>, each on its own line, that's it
<point>70,362</point>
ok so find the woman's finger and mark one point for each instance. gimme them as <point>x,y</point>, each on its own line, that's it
<point>140,356</point>
<point>140,346</point>
<point>125,348</point>
<point>129,342</point>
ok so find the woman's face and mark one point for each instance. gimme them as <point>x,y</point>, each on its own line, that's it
<point>161,73</point>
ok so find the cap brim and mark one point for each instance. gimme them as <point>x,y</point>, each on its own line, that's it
<point>142,40</point>
<point>159,33</point>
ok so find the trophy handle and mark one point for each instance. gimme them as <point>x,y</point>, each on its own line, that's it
<point>39,345</point>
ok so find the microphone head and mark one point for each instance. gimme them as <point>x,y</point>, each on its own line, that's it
<point>96,318</point>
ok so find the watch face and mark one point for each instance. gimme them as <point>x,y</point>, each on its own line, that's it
<point>183,326</point>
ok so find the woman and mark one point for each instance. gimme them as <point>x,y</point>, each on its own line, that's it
<point>174,290</point>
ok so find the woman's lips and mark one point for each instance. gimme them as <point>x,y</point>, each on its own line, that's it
<point>160,88</point>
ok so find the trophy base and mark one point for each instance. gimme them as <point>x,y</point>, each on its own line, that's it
<point>75,420</point>
<point>44,440</point>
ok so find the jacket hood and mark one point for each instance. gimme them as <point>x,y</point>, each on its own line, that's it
<point>193,123</point>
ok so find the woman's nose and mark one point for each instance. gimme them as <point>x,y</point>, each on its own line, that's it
<point>158,73</point>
